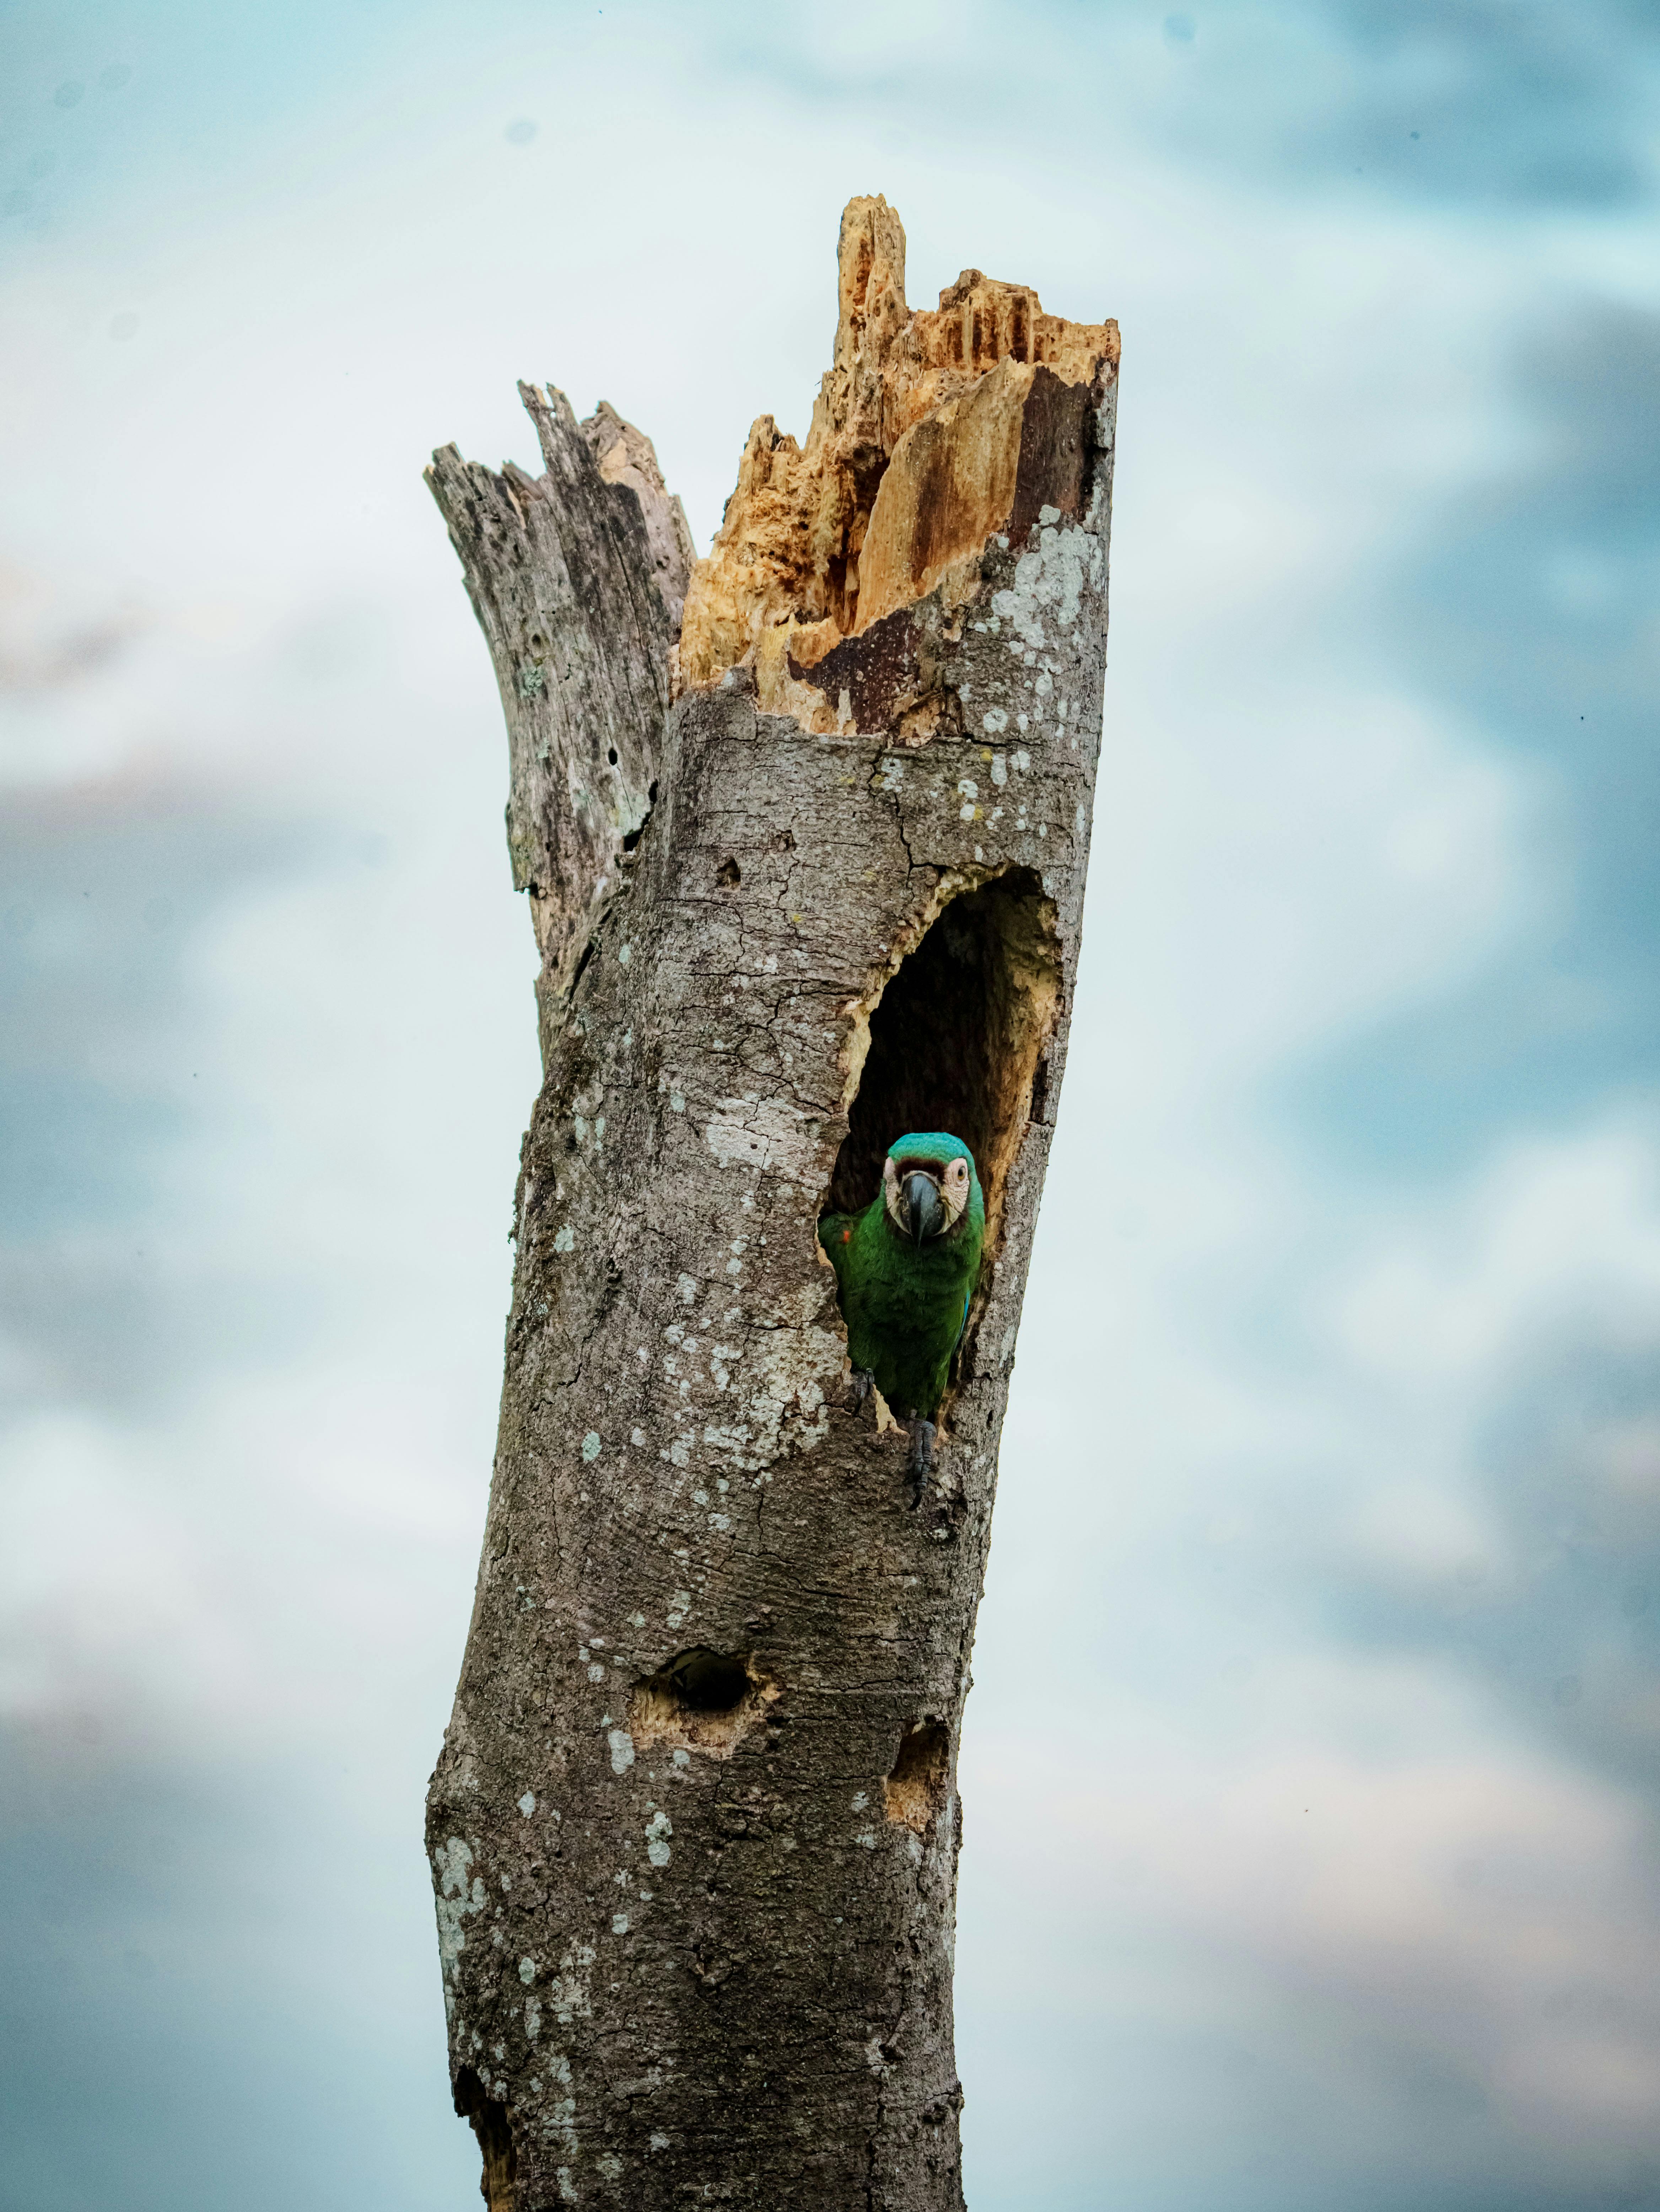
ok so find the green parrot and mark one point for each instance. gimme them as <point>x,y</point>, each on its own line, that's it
<point>906,1270</point>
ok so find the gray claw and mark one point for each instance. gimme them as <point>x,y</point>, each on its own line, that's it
<point>859,1388</point>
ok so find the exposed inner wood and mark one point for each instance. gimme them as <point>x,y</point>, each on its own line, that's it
<point>670,1710</point>
<point>933,431</point>
<point>915,1791</point>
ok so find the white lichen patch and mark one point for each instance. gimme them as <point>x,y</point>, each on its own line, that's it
<point>456,1901</point>
<point>658,1716</point>
<point>658,1829</point>
<point>787,1396</point>
<point>569,1993</point>
<point>527,1803</point>
<point>730,1437</point>
<point>564,1239</point>
<point>769,1133</point>
<point>622,1750</point>
<point>1050,580</point>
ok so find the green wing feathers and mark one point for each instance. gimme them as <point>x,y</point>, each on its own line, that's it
<point>905,1304</point>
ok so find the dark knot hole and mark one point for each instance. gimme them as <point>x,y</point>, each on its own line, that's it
<point>705,1681</point>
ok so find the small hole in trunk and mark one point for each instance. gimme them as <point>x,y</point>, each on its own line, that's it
<point>708,1681</point>
<point>495,2132</point>
<point>917,1788</point>
<point>699,1700</point>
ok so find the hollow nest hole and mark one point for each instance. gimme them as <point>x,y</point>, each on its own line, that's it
<point>701,1701</point>
<point>958,1041</point>
<point>916,1791</point>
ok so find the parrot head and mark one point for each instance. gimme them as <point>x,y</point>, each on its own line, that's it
<point>928,1186</point>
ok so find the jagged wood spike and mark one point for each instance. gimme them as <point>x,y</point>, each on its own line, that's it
<point>695,1826</point>
<point>577,577</point>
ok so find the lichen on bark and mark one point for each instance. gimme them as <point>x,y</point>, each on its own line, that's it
<point>805,829</point>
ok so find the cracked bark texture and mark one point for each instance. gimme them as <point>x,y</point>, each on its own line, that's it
<point>695,1826</point>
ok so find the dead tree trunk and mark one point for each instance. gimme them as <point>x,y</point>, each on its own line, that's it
<point>804,828</point>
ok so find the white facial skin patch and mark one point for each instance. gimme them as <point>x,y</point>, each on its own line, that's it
<point>952,1186</point>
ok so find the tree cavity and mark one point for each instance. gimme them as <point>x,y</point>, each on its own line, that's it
<point>958,1036</point>
<point>699,1700</point>
<point>914,1792</point>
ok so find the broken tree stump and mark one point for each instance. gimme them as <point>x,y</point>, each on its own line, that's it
<point>805,828</point>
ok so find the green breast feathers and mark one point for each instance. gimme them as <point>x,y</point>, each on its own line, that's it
<point>905,1270</point>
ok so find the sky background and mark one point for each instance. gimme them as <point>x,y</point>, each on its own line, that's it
<point>1311,1781</point>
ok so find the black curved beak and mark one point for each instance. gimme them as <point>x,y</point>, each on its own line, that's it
<point>923,1209</point>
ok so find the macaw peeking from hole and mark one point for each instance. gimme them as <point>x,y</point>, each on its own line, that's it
<point>906,1270</point>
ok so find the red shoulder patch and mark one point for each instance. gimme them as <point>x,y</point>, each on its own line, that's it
<point>847,1235</point>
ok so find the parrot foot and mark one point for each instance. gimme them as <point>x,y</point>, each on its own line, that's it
<point>920,1463</point>
<point>859,1388</point>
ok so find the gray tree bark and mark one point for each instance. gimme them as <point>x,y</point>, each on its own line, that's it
<point>806,853</point>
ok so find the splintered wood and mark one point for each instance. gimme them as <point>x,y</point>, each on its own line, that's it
<point>933,430</point>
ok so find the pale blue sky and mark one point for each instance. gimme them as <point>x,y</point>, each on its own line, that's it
<point>1311,1778</point>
